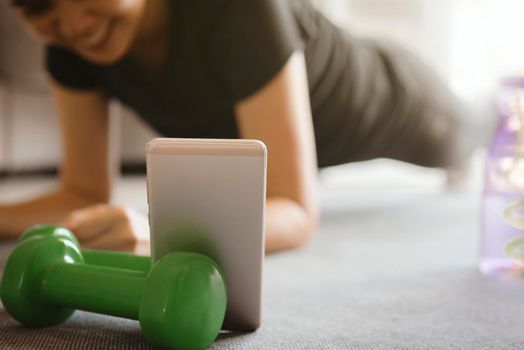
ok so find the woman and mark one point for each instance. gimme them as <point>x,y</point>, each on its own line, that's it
<point>272,70</point>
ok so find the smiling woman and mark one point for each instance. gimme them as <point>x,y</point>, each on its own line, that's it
<point>273,70</point>
<point>100,31</point>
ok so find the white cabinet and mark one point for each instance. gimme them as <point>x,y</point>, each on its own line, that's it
<point>27,127</point>
<point>30,137</point>
<point>34,135</point>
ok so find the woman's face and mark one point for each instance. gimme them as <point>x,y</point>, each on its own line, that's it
<point>101,31</point>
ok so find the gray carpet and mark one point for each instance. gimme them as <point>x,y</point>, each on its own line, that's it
<point>382,272</point>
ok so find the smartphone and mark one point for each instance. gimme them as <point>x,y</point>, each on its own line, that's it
<point>209,196</point>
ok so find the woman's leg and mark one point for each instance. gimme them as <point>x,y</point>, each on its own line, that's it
<point>423,122</point>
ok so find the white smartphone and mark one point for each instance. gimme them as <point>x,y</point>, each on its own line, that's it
<point>209,196</point>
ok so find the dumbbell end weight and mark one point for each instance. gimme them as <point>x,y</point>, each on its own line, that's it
<point>47,231</point>
<point>21,286</point>
<point>184,302</point>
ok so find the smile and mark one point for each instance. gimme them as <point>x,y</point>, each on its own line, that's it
<point>98,38</point>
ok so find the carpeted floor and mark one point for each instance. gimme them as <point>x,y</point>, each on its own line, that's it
<point>392,266</point>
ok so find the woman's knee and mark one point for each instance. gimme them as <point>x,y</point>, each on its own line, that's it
<point>446,141</point>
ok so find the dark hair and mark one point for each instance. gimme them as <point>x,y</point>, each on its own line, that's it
<point>33,7</point>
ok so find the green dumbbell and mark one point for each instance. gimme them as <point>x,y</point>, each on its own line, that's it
<point>93,257</point>
<point>180,303</point>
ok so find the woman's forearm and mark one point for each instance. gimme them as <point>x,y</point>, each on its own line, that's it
<point>288,225</point>
<point>47,209</point>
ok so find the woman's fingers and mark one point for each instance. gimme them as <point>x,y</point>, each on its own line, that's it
<point>91,222</point>
<point>120,237</point>
<point>106,227</point>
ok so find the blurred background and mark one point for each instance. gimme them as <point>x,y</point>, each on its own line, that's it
<point>470,43</point>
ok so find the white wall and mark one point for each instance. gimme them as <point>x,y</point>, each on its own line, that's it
<point>471,43</point>
<point>35,139</point>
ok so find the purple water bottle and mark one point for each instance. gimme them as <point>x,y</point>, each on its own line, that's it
<point>502,249</point>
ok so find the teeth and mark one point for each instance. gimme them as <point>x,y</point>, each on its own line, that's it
<point>95,38</point>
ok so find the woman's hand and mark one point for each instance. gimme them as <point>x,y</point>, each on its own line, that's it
<point>107,227</point>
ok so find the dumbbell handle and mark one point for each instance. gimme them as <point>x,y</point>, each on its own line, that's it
<point>99,289</point>
<point>120,260</point>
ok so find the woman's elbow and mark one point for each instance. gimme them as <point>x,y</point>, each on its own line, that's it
<point>310,226</point>
<point>289,225</point>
